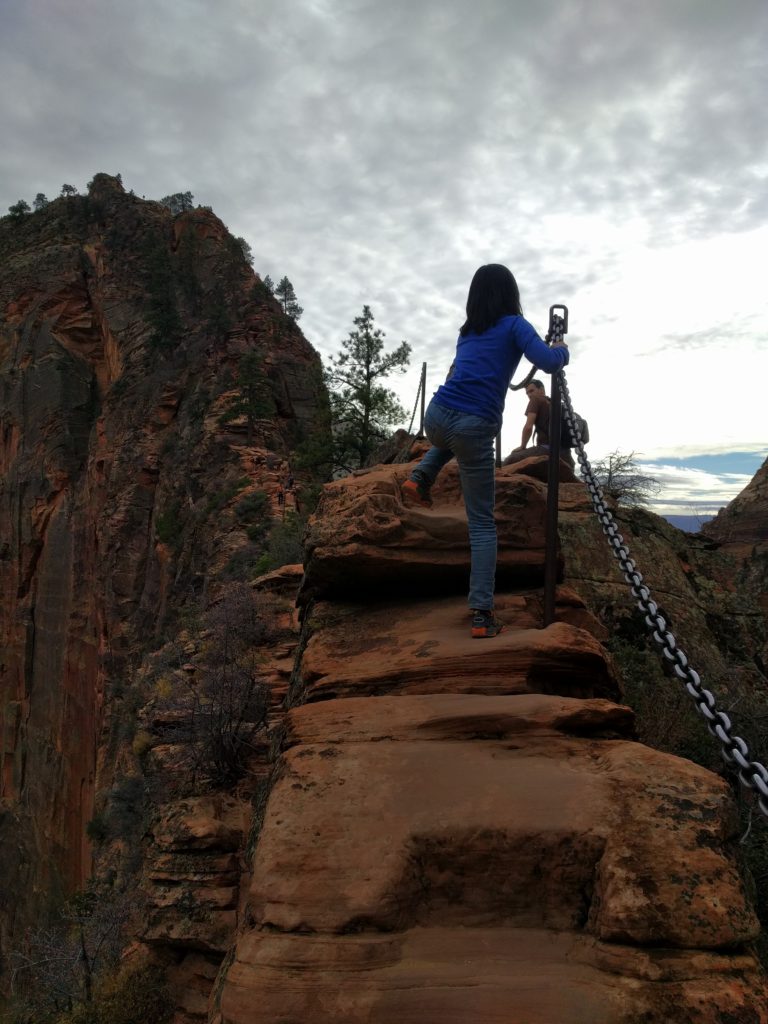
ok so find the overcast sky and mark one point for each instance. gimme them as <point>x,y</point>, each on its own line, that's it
<point>613,154</point>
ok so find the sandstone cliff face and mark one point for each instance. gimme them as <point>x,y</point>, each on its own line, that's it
<point>121,332</point>
<point>742,526</point>
<point>741,530</point>
<point>465,830</point>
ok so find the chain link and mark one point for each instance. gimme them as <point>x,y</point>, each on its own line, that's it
<point>734,750</point>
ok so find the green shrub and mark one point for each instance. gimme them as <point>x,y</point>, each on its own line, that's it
<point>253,505</point>
<point>666,717</point>
<point>226,494</point>
<point>96,829</point>
<point>285,545</point>
<point>168,524</point>
<point>242,564</point>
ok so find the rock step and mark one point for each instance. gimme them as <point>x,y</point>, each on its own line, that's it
<point>426,647</point>
<point>482,976</point>
<point>363,540</point>
<point>397,812</point>
<point>454,716</point>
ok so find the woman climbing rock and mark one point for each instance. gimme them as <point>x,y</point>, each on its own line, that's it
<point>465,415</point>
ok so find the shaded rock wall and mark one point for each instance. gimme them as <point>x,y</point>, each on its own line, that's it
<point>742,526</point>
<point>741,531</point>
<point>121,332</point>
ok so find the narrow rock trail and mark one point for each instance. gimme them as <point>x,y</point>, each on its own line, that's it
<point>466,830</point>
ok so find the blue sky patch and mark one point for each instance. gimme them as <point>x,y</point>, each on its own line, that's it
<point>717,464</point>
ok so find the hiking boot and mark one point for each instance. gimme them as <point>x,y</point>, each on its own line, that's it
<point>485,624</point>
<point>416,493</point>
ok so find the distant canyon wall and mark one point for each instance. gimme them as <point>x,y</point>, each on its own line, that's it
<point>121,331</point>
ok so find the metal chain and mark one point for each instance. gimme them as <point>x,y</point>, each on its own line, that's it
<point>525,381</point>
<point>735,752</point>
<point>556,333</point>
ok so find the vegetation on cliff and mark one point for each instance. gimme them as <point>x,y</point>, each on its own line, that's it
<point>154,401</point>
<point>363,410</point>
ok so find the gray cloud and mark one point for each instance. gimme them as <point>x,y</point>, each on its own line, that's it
<point>379,152</point>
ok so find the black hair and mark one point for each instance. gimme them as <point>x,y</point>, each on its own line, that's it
<point>493,294</point>
<point>539,383</point>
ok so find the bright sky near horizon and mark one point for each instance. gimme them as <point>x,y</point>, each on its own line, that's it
<point>614,155</point>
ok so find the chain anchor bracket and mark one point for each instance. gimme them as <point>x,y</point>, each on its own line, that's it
<point>561,312</point>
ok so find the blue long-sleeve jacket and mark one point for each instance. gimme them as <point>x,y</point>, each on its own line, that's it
<point>485,363</point>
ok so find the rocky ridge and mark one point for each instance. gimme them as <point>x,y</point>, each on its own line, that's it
<point>741,531</point>
<point>456,829</point>
<point>381,840</point>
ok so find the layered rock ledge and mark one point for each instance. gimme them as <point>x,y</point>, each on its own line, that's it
<point>468,831</point>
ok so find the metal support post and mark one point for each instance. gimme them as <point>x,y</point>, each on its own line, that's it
<point>423,387</point>
<point>558,326</point>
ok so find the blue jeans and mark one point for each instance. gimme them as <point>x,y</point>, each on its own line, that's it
<point>470,439</point>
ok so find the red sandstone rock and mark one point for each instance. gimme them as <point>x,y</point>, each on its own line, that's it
<point>105,445</point>
<point>537,467</point>
<point>453,842</point>
<point>743,524</point>
<point>364,540</point>
<point>427,648</point>
<point>472,846</point>
<point>435,975</point>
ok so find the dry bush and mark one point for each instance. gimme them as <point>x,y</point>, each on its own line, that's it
<point>222,708</point>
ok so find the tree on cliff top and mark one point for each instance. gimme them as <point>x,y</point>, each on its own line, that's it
<point>287,297</point>
<point>19,210</point>
<point>178,202</point>
<point>363,411</point>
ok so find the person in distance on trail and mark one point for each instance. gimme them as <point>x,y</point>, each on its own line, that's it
<point>537,418</point>
<point>465,416</point>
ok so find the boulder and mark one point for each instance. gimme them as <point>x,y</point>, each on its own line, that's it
<point>450,857</point>
<point>363,540</point>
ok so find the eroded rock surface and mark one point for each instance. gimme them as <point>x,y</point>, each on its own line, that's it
<point>742,526</point>
<point>122,329</point>
<point>467,830</point>
<point>364,541</point>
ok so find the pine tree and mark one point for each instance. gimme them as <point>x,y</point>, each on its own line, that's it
<point>245,248</point>
<point>363,411</point>
<point>269,284</point>
<point>178,202</point>
<point>68,190</point>
<point>19,210</point>
<point>40,201</point>
<point>287,297</point>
